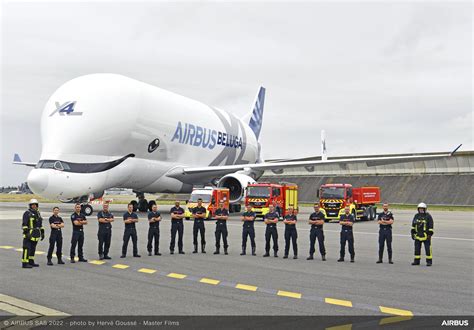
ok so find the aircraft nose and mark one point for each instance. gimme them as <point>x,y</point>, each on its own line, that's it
<point>37,181</point>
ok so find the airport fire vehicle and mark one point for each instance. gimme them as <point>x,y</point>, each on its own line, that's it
<point>261,195</point>
<point>211,197</point>
<point>334,197</point>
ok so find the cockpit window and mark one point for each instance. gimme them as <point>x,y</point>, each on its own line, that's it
<point>80,167</point>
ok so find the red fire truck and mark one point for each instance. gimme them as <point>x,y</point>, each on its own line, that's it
<point>334,197</point>
<point>261,195</point>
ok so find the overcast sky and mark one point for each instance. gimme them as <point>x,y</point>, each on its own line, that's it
<point>379,77</point>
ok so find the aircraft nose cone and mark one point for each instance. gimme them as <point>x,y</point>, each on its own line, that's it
<point>37,181</point>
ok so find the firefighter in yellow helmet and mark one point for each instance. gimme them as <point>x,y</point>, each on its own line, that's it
<point>421,232</point>
<point>33,231</point>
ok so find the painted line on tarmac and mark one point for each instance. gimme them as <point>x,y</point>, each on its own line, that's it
<point>252,288</point>
<point>29,306</point>
<point>209,281</point>
<point>395,311</point>
<point>340,302</point>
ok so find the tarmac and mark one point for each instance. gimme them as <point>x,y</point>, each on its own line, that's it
<point>207,284</point>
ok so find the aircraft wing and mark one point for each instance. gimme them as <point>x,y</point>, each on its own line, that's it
<point>370,161</point>
<point>17,161</point>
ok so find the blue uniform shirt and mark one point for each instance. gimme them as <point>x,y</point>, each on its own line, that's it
<point>271,216</point>
<point>105,215</point>
<point>350,218</point>
<point>222,212</point>
<point>154,215</point>
<point>385,216</point>
<point>177,210</point>
<point>132,215</point>
<point>249,224</point>
<point>317,216</point>
<point>77,217</point>
<point>56,220</point>
<point>199,210</point>
<point>290,217</point>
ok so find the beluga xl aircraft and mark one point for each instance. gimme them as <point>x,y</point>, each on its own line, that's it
<point>104,131</point>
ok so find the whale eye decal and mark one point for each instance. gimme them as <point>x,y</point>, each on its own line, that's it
<point>153,145</point>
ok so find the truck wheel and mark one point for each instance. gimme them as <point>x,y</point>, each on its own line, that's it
<point>87,209</point>
<point>372,213</point>
<point>135,205</point>
<point>150,205</point>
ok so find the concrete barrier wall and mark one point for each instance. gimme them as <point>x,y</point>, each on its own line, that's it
<point>407,189</point>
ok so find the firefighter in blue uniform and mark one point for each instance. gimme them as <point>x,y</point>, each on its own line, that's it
<point>290,233</point>
<point>248,218</point>
<point>56,237</point>
<point>421,232</point>
<point>177,227</point>
<point>271,220</point>
<point>316,220</point>
<point>130,218</point>
<point>385,220</point>
<point>221,215</point>
<point>199,214</point>
<point>104,233</point>
<point>154,219</point>
<point>33,231</point>
<point>78,220</point>
<point>346,221</point>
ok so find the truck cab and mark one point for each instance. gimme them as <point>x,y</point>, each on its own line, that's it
<point>334,197</point>
<point>261,195</point>
<point>211,197</point>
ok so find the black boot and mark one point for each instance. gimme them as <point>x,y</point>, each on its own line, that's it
<point>352,258</point>
<point>253,251</point>
<point>341,259</point>
<point>101,257</point>
<point>60,261</point>
<point>416,262</point>
<point>217,250</point>
<point>390,261</point>
<point>266,254</point>
<point>285,256</point>
<point>275,254</point>
<point>225,251</point>
<point>323,257</point>
<point>379,261</point>
<point>157,253</point>
<point>149,253</point>
<point>195,248</point>
<point>32,264</point>
<point>49,263</point>
<point>244,250</point>
<point>26,265</point>
<point>310,257</point>
<point>295,256</point>
<point>429,262</point>
<point>203,248</point>
<point>106,257</point>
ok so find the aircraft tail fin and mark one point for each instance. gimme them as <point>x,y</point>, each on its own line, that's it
<point>17,161</point>
<point>256,119</point>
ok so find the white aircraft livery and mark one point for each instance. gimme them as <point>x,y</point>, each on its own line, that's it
<point>105,130</point>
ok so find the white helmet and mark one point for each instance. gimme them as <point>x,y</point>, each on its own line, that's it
<point>33,201</point>
<point>422,206</point>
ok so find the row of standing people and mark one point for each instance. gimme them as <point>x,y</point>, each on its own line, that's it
<point>33,231</point>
